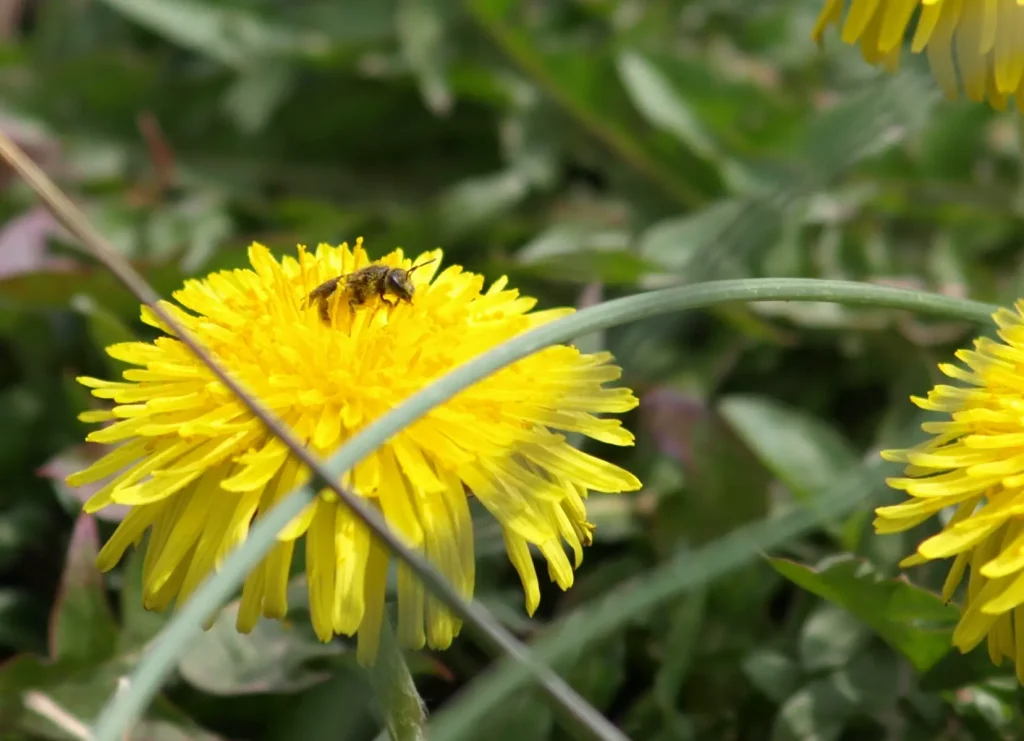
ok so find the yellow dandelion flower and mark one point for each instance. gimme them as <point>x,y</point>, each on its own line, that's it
<point>196,467</point>
<point>979,43</point>
<point>974,464</point>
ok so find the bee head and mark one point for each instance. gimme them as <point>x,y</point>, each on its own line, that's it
<point>399,282</point>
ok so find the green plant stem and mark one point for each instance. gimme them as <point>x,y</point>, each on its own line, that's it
<point>161,658</point>
<point>400,705</point>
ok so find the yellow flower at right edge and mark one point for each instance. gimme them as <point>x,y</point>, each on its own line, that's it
<point>979,43</point>
<point>974,463</point>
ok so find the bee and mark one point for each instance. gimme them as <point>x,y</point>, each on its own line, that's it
<point>376,279</point>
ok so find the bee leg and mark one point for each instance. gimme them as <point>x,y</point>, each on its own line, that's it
<point>353,308</point>
<point>325,314</point>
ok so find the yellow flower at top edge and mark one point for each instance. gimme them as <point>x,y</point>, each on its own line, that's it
<point>974,463</point>
<point>196,467</point>
<point>976,43</point>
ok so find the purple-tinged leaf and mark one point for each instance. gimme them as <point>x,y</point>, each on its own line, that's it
<point>82,627</point>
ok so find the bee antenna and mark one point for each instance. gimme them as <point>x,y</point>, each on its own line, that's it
<point>421,264</point>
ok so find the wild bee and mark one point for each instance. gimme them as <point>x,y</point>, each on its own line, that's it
<point>362,285</point>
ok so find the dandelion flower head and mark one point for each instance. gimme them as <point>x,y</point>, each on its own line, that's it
<point>974,464</point>
<point>196,468</point>
<point>976,43</point>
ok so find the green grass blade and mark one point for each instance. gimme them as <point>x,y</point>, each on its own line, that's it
<point>161,658</point>
<point>683,573</point>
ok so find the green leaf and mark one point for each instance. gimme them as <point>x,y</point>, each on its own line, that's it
<point>821,710</point>
<point>474,201</point>
<point>662,104</point>
<point>256,95</point>
<point>585,86</point>
<point>599,673</point>
<point>727,233</point>
<point>829,638</point>
<point>234,37</point>
<point>611,267</point>
<point>725,485</point>
<point>339,709</point>
<point>876,117</point>
<point>680,647</point>
<point>805,453</point>
<point>817,712</point>
<point>273,658</point>
<point>772,672</point>
<point>912,620</point>
<point>673,243</point>
<point>83,628</point>
<point>995,711</point>
<point>420,28</point>
<point>105,328</point>
<point>713,240</point>
<point>581,253</point>
<point>523,717</point>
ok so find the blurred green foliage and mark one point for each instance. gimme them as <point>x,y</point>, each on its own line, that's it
<point>588,149</point>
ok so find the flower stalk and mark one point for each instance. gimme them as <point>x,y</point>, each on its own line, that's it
<point>401,707</point>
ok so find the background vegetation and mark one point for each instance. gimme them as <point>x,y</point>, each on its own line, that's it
<point>588,149</point>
